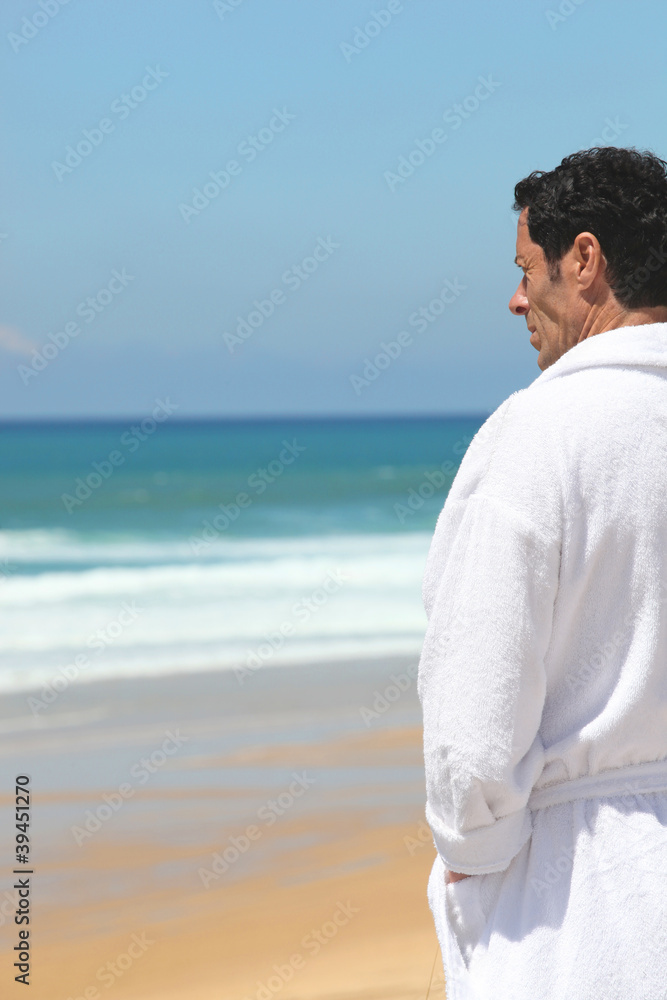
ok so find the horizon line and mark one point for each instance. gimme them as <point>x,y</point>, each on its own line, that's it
<point>293,418</point>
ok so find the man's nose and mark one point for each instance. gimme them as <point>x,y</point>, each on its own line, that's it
<point>519,303</point>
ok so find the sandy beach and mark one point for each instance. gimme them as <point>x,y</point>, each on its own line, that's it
<point>198,838</point>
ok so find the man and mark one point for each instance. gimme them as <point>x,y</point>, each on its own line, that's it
<point>543,677</point>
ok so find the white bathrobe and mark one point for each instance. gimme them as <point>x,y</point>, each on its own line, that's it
<point>543,682</point>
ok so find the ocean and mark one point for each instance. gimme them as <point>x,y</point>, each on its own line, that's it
<point>156,546</point>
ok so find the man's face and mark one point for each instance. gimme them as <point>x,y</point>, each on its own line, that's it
<point>551,306</point>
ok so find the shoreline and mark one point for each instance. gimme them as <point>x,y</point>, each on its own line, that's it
<point>231,825</point>
<point>186,689</point>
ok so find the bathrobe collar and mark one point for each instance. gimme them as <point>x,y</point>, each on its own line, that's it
<point>643,346</point>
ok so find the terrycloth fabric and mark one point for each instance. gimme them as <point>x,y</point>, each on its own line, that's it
<point>545,667</point>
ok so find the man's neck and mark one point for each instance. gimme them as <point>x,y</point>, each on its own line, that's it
<point>612,317</point>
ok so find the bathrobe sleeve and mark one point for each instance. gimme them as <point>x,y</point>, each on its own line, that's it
<point>481,675</point>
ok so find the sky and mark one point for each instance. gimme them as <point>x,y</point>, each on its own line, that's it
<point>241,206</point>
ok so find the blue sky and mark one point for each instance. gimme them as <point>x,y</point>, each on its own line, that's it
<point>317,131</point>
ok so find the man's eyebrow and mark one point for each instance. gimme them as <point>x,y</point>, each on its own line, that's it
<point>517,262</point>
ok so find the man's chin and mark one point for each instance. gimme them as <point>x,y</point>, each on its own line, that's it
<point>545,361</point>
<point>542,362</point>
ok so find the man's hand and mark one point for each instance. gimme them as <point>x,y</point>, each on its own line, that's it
<point>455,876</point>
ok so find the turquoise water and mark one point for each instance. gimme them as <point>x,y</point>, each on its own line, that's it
<point>348,477</point>
<point>215,530</point>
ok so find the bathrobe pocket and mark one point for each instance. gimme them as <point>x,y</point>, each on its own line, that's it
<point>463,913</point>
<point>469,904</point>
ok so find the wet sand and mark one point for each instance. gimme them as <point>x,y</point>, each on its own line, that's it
<point>194,838</point>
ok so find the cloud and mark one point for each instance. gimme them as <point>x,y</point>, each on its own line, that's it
<point>12,341</point>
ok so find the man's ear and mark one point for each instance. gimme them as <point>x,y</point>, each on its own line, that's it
<point>589,258</point>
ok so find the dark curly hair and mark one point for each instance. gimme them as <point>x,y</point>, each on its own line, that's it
<point>619,195</point>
